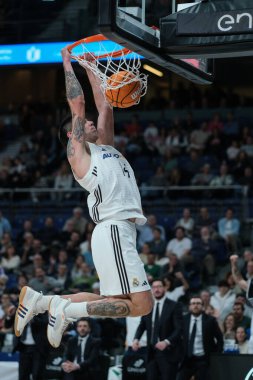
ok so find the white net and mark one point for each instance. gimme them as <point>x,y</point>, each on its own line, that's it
<point>104,64</point>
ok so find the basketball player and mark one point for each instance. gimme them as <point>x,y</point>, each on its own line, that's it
<point>114,205</point>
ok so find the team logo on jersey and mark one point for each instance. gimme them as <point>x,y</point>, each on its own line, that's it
<point>136,282</point>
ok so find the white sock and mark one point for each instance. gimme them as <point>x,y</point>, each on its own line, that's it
<point>42,304</point>
<point>76,310</point>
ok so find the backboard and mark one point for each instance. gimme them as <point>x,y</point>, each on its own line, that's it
<point>135,25</point>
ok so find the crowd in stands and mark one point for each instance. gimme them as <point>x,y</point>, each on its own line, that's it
<point>192,256</point>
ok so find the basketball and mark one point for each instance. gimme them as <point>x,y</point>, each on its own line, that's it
<point>125,96</point>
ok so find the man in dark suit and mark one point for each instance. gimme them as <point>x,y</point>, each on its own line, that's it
<point>202,336</point>
<point>80,360</point>
<point>164,335</point>
<point>33,349</point>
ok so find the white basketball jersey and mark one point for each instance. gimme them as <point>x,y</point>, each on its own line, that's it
<point>112,186</point>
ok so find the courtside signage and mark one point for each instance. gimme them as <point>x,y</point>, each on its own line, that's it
<point>217,23</point>
<point>38,53</point>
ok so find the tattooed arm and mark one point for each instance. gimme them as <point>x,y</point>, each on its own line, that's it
<point>77,147</point>
<point>105,123</point>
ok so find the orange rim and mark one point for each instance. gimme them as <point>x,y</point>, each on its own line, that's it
<point>98,38</point>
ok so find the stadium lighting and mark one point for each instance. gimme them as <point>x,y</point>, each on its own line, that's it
<point>153,70</point>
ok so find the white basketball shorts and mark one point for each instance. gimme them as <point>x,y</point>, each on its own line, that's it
<point>119,267</point>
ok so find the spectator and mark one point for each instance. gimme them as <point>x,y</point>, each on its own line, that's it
<point>78,220</point>
<point>146,231</point>
<point>158,245</point>
<point>10,261</point>
<point>240,318</point>
<point>241,340</point>
<point>180,245</point>
<point>204,220</point>
<point>173,266</point>
<point>233,151</point>
<point>248,147</point>
<point>143,254</point>
<point>247,180</point>
<point>27,227</point>
<point>223,300</point>
<point>187,222</point>
<point>199,137</point>
<point>205,297</point>
<point>64,181</point>
<point>76,271</point>
<point>204,252</point>
<point>229,327</point>
<point>62,278</point>
<point>153,270</point>
<point>242,161</point>
<point>204,178</point>
<point>40,282</point>
<point>5,226</point>
<point>48,233</point>
<point>228,228</point>
<point>231,126</point>
<point>175,292</point>
<point>215,124</point>
<point>224,179</point>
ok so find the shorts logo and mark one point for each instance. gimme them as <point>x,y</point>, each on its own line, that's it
<point>136,282</point>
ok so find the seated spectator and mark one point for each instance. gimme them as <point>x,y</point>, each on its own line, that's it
<point>233,151</point>
<point>27,250</point>
<point>63,180</point>
<point>170,161</point>
<point>67,230</point>
<point>174,179</point>
<point>62,279</point>
<point>215,145</point>
<point>145,233</point>
<point>10,260</point>
<point>204,220</point>
<point>84,246</point>
<point>48,233</point>
<point>247,180</point>
<point>248,147</point>
<point>224,179</point>
<point>240,318</point>
<point>231,126</point>
<point>204,178</point>
<point>87,252</point>
<point>205,297</point>
<point>158,179</point>
<point>228,327</point>
<point>72,246</point>
<point>192,165</point>
<point>175,141</point>
<point>241,340</point>
<point>223,300</point>
<point>199,137</point>
<point>187,222</point>
<point>158,245</point>
<point>204,251</point>
<point>143,254</point>
<point>5,226</point>
<point>27,227</point>
<point>151,268</point>
<point>85,281</point>
<point>41,282</point>
<point>76,270</point>
<point>229,228</point>
<point>173,266</point>
<point>215,124</point>
<point>6,242</point>
<point>242,161</point>
<point>241,297</point>
<point>175,292</point>
<point>151,133</point>
<point>180,245</point>
<point>78,219</point>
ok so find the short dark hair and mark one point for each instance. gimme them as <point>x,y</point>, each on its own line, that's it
<point>237,303</point>
<point>84,319</point>
<point>64,128</point>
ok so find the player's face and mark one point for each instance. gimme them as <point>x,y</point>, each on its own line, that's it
<point>90,131</point>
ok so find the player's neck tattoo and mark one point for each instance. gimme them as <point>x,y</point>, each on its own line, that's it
<point>73,87</point>
<point>114,309</point>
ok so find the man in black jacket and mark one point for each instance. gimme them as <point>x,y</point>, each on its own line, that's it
<point>202,336</point>
<point>80,360</point>
<point>164,335</point>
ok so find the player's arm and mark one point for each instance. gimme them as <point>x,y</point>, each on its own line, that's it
<point>105,124</point>
<point>75,98</point>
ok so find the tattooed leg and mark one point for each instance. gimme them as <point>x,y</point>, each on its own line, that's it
<point>106,308</point>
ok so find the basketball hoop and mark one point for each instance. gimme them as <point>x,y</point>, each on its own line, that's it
<point>105,58</point>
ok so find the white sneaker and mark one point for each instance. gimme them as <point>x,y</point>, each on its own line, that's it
<point>26,308</point>
<point>57,320</point>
